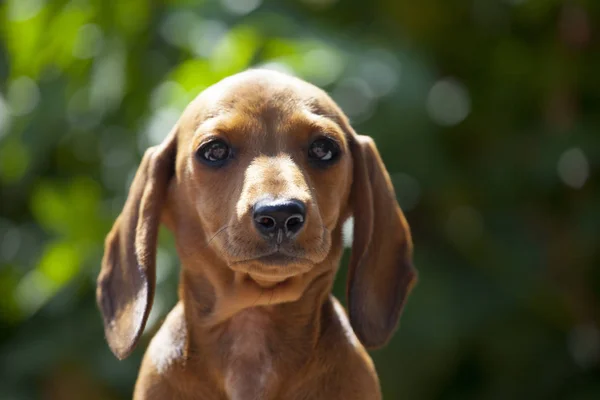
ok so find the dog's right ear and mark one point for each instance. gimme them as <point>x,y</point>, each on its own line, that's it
<point>125,288</point>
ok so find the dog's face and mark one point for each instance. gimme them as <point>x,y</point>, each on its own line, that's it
<point>255,181</point>
<point>266,168</point>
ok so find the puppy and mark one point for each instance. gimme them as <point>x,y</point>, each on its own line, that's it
<point>255,182</point>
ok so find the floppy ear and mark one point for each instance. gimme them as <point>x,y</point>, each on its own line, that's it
<point>125,288</point>
<point>381,273</point>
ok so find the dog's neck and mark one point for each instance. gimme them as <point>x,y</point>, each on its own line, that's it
<point>253,346</point>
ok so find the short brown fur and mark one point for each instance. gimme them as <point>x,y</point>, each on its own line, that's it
<point>246,328</point>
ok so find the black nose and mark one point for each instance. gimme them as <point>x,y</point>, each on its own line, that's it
<point>276,218</point>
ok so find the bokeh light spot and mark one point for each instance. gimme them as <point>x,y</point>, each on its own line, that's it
<point>4,117</point>
<point>89,41</point>
<point>573,168</point>
<point>176,27</point>
<point>108,78</point>
<point>59,264</point>
<point>325,65</point>
<point>355,97</point>
<point>168,94</point>
<point>381,75</point>
<point>33,290</point>
<point>234,52</point>
<point>22,10</point>
<point>158,126</point>
<point>204,36</point>
<point>448,102</point>
<point>23,96</point>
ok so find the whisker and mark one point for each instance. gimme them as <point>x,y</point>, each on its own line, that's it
<point>215,235</point>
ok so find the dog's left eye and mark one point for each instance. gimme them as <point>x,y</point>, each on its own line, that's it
<point>216,152</point>
<point>323,150</point>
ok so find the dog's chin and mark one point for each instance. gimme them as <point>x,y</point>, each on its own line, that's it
<point>272,269</point>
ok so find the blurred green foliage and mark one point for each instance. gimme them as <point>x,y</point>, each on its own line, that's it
<point>486,112</point>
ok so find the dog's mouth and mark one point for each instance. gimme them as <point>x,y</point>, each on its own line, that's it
<point>273,268</point>
<point>280,259</point>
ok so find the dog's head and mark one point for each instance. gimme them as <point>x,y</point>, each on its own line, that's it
<point>256,179</point>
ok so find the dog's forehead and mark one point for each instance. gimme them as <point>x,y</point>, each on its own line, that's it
<point>264,86</point>
<point>260,92</point>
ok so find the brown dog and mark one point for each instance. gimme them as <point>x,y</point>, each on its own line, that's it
<point>255,181</point>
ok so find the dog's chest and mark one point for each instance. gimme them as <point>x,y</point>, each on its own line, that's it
<point>249,363</point>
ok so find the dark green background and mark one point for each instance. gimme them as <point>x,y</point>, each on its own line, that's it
<point>486,112</point>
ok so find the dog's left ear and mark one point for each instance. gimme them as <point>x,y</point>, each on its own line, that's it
<point>127,278</point>
<point>381,273</point>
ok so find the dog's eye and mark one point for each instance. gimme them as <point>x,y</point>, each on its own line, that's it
<point>323,150</point>
<point>214,153</point>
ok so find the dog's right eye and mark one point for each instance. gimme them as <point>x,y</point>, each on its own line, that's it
<point>214,153</point>
<point>323,151</point>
